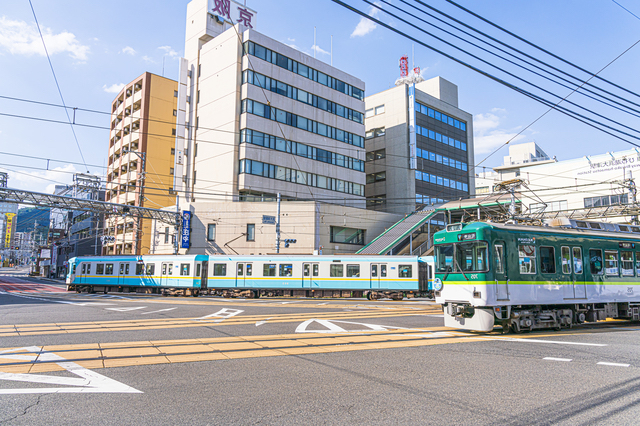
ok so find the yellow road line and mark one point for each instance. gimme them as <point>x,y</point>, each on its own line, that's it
<point>151,324</point>
<point>105,355</point>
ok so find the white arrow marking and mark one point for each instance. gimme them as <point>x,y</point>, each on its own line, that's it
<point>263,322</point>
<point>125,309</point>
<point>334,328</point>
<point>222,314</point>
<point>89,381</point>
<point>161,310</point>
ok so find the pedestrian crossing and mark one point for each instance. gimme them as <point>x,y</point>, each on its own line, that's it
<point>19,285</point>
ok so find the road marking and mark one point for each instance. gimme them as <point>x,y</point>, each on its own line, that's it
<point>126,309</point>
<point>554,342</point>
<point>332,327</point>
<point>89,381</point>
<point>557,359</point>
<point>612,364</point>
<point>161,310</point>
<point>86,303</point>
<point>263,322</point>
<point>222,314</point>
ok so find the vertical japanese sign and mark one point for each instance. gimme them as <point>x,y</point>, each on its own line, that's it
<point>241,14</point>
<point>7,237</point>
<point>186,229</point>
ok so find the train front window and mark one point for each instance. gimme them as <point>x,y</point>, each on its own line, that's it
<point>472,256</point>
<point>444,257</point>
<point>499,248</point>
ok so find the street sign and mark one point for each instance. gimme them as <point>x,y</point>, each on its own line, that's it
<point>186,229</point>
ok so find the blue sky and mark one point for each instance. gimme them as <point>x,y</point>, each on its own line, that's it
<point>97,46</point>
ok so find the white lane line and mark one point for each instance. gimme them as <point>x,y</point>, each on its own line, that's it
<point>126,309</point>
<point>161,310</point>
<point>554,342</point>
<point>557,359</point>
<point>263,322</point>
<point>612,364</point>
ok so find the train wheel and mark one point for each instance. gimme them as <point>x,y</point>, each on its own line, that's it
<point>505,328</point>
<point>256,294</point>
<point>369,295</point>
<point>516,328</point>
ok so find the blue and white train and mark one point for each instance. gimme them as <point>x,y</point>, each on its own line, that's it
<point>375,277</point>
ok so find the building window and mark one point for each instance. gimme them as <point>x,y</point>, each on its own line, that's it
<point>173,132</point>
<point>173,151</point>
<point>606,200</point>
<point>175,93</point>
<point>376,177</point>
<point>380,109</point>
<point>198,97</point>
<point>175,112</point>
<point>211,232</point>
<point>347,235</point>
<point>171,171</point>
<point>251,232</point>
<point>166,235</point>
<point>376,155</point>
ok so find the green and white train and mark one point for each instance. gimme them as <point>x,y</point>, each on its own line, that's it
<point>524,277</point>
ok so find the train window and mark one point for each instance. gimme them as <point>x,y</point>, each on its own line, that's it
<point>499,248</point>
<point>269,270</point>
<point>184,269</point>
<point>151,268</point>
<point>527,258</point>
<point>353,271</point>
<point>286,270</point>
<point>82,269</point>
<point>121,269</point>
<point>577,260</point>
<point>198,268</point>
<point>580,224</point>
<point>626,263</point>
<point>100,269</point>
<point>611,262</point>
<point>108,269</point>
<point>306,270</point>
<point>336,270</point>
<point>471,256</point>
<point>374,271</point>
<point>240,269</point>
<point>404,271</point>
<point>170,269</point>
<point>126,269</point>
<point>139,268</point>
<point>220,269</point>
<point>593,225</point>
<point>164,269</point>
<point>623,228</point>
<point>88,268</point>
<point>444,258</point>
<point>547,260</point>
<point>566,260</point>
<point>249,270</point>
<point>383,271</point>
<point>595,261</point>
<point>316,269</point>
<point>635,229</point>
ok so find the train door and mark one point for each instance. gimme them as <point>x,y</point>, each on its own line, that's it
<point>166,273</point>
<point>500,271</point>
<point>76,274</point>
<point>244,272</point>
<point>123,271</point>
<point>204,275</point>
<point>579,285</point>
<point>310,272</point>
<point>378,275</point>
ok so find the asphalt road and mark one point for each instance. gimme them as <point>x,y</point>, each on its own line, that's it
<point>69,359</point>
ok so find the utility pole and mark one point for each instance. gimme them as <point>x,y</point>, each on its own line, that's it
<point>278,227</point>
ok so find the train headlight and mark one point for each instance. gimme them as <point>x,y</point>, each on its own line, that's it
<point>437,284</point>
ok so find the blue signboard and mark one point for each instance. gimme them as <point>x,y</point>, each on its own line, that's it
<point>186,229</point>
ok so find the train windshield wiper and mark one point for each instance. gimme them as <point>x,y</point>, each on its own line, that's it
<point>455,263</point>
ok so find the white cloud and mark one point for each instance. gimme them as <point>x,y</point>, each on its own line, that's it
<point>365,26</point>
<point>129,51</point>
<point>168,51</point>
<point>21,38</point>
<point>318,49</point>
<point>148,59</point>
<point>292,40</point>
<point>488,135</point>
<point>41,181</point>
<point>114,88</point>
